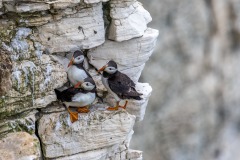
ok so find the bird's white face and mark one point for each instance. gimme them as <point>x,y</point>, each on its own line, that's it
<point>79,59</point>
<point>110,70</point>
<point>87,86</point>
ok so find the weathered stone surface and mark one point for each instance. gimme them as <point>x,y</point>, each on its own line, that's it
<point>5,72</point>
<point>108,153</point>
<point>32,7</point>
<point>19,146</point>
<point>36,21</point>
<point>64,4</point>
<point>134,154</point>
<point>33,83</point>
<point>82,30</point>
<point>93,155</point>
<point>24,122</point>
<point>127,22</point>
<point>95,1</point>
<point>130,55</point>
<point>92,131</point>
<point>7,28</point>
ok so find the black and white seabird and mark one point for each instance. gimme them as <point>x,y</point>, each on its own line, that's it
<point>118,84</point>
<point>76,71</point>
<point>81,96</point>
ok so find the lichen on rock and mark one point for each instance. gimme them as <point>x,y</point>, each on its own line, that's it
<point>21,146</point>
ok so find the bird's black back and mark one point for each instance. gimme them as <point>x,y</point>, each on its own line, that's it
<point>66,95</point>
<point>123,86</point>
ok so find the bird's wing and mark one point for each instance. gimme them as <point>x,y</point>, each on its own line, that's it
<point>121,84</point>
<point>69,93</point>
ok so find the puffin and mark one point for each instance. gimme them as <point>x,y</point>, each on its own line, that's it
<point>80,95</point>
<point>118,84</point>
<point>76,71</point>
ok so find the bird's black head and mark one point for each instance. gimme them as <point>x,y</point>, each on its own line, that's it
<point>77,58</point>
<point>90,80</point>
<point>109,69</point>
<point>78,53</point>
<point>88,84</point>
<point>111,63</point>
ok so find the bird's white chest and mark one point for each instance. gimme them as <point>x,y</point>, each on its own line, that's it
<point>105,83</point>
<point>81,99</point>
<point>76,75</point>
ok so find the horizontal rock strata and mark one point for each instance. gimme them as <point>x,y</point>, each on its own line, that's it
<point>93,131</point>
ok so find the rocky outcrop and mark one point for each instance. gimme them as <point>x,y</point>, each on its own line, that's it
<point>130,55</point>
<point>37,39</point>
<point>94,131</point>
<point>129,20</point>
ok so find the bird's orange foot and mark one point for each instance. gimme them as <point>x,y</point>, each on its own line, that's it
<point>125,105</point>
<point>73,115</point>
<point>113,108</point>
<point>83,110</point>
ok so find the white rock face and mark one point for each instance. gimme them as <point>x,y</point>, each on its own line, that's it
<point>95,1</point>
<point>92,131</point>
<point>93,155</point>
<point>81,30</point>
<point>32,7</point>
<point>19,146</point>
<point>130,55</point>
<point>129,21</point>
<point>134,154</point>
<point>115,152</point>
<point>62,4</point>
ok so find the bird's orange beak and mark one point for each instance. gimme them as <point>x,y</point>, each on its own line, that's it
<point>71,62</point>
<point>77,85</point>
<point>102,69</point>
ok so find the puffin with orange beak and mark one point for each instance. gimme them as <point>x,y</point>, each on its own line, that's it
<point>118,84</point>
<point>80,96</point>
<point>76,71</point>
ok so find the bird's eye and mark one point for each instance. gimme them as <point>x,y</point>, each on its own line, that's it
<point>110,68</point>
<point>87,84</point>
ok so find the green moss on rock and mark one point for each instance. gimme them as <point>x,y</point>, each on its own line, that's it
<point>7,30</point>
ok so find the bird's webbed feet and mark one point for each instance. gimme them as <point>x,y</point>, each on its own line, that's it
<point>83,109</point>
<point>113,108</point>
<point>125,105</point>
<point>73,115</point>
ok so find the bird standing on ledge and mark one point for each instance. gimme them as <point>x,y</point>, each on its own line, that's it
<point>80,96</point>
<point>76,71</point>
<point>118,84</point>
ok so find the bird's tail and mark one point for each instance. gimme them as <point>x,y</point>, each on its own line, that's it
<point>58,94</point>
<point>137,97</point>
